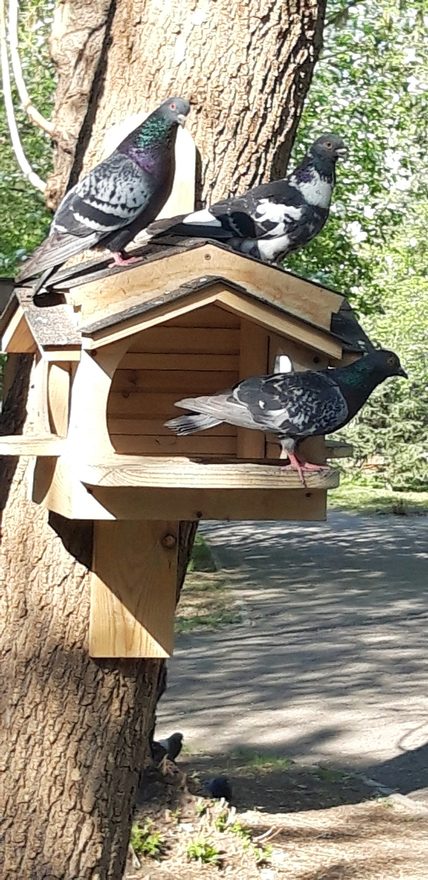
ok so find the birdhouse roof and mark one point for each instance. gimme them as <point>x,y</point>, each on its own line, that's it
<point>95,303</point>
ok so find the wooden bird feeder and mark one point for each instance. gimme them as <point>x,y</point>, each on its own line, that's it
<point>112,357</point>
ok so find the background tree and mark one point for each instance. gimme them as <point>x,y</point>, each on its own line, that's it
<point>78,728</point>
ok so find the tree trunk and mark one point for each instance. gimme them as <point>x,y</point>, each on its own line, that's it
<point>77,729</point>
<point>245,67</point>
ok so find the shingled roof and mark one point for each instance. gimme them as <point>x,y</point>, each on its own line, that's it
<point>57,325</point>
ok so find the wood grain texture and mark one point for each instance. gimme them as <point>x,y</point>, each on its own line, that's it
<point>17,337</point>
<point>181,340</point>
<point>170,444</point>
<point>171,472</point>
<point>196,504</point>
<point>166,361</point>
<point>183,383</point>
<point>59,384</point>
<point>50,445</point>
<point>133,586</point>
<point>298,297</point>
<point>253,361</point>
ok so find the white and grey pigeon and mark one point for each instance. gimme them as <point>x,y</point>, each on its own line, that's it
<point>172,745</point>
<point>118,198</point>
<point>293,406</point>
<point>271,220</point>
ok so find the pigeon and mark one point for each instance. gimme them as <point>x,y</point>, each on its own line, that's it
<point>172,745</point>
<point>293,405</point>
<point>271,220</point>
<point>117,199</point>
<point>219,787</point>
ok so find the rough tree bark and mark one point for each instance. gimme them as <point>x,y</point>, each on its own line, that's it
<point>246,67</point>
<point>76,728</point>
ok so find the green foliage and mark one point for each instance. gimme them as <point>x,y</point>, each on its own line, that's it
<point>392,428</point>
<point>363,497</point>
<point>263,763</point>
<point>221,821</point>
<point>201,558</point>
<point>145,841</point>
<point>24,219</point>
<point>203,850</point>
<point>370,86</point>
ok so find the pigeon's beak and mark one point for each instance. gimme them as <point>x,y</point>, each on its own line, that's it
<point>181,119</point>
<point>342,152</point>
<point>402,373</point>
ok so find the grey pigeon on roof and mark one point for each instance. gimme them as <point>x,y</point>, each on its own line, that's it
<point>117,199</point>
<point>293,406</point>
<point>271,220</point>
<point>172,745</point>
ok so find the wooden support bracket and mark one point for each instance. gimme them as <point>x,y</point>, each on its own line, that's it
<point>133,589</point>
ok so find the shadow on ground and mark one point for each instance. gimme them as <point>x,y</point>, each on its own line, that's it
<point>329,663</point>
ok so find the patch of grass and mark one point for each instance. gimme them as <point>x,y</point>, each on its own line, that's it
<point>329,774</point>
<point>241,831</point>
<point>373,500</point>
<point>262,854</point>
<point>207,621</point>
<point>205,603</point>
<point>201,558</point>
<point>262,762</point>
<point>204,851</point>
<point>145,841</point>
<point>221,822</point>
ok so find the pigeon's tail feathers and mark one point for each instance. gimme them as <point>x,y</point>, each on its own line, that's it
<point>183,425</point>
<point>201,224</point>
<point>218,408</point>
<point>54,251</point>
<point>163,226</point>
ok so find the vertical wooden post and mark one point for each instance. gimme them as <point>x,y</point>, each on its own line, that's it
<point>133,589</point>
<point>253,361</point>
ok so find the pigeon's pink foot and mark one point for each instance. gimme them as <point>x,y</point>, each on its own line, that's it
<point>121,258</point>
<point>301,465</point>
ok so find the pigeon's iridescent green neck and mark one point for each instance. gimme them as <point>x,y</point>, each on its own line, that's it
<point>152,131</point>
<point>362,373</point>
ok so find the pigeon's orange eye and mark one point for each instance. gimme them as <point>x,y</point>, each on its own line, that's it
<point>329,144</point>
<point>173,106</point>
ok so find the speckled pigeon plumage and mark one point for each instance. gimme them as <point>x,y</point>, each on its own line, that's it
<point>118,198</point>
<point>273,219</point>
<point>293,405</point>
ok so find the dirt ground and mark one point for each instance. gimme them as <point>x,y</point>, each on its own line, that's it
<point>286,822</point>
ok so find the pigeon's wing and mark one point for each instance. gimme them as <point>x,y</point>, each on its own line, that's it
<point>298,404</point>
<point>265,210</point>
<point>109,197</point>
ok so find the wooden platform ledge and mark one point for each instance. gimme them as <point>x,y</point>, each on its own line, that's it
<point>182,473</point>
<point>49,445</point>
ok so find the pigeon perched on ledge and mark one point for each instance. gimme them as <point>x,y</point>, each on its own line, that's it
<point>293,406</point>
<point>271,220</point>
<point>117,199</point>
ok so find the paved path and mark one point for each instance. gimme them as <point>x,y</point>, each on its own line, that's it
<point>330,662</point>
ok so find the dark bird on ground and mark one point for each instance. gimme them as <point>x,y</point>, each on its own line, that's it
<point>293,406</point>
<point>219,787</point>
<point>117,199</point>
<point>172,745</point>
<point>273,219</point>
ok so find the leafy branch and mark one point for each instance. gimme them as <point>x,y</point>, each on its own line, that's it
<point>21,158</point>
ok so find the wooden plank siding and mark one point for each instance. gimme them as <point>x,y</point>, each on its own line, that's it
<point>193,354</point>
